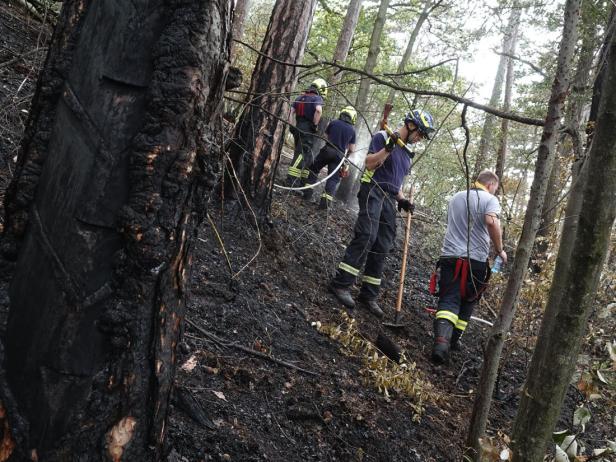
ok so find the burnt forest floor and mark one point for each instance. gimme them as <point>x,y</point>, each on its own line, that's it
<point>264,290</point>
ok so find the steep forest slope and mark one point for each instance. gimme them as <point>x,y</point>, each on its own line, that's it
<point>259,294</point>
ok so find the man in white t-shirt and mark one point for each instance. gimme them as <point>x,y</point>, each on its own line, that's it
<point>472,222</point>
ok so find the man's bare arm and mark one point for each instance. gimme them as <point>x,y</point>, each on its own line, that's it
<point>496,234</point>
<point>318,111</point>
<point>374,161</point>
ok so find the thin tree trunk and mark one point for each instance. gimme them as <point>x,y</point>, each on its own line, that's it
<point>514,26</point>
<point>373,53</point>
<point>573,121</point>
<point>239,21</point>
<point>346,37</point>
<point>423,16</point>
<point>487,133</point>
<point>531,223</point>
<point>101,214</point>
<point>572,294</point>
<point>345,190</point>
<point>258,137</point>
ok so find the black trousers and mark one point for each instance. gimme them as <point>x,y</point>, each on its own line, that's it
<point>374,234</point>
<point>328,156</point>
<point>303,157</point>
<point>453,305</point>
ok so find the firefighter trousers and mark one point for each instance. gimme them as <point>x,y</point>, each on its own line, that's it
<point>374,235</point>
<point>328,156</point>
<point>460,288</point>
<point>303,156</point>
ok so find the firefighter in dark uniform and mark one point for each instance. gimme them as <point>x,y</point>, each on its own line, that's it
<point>307,109</point>
<point>340,139</point>
<point>386,166</point>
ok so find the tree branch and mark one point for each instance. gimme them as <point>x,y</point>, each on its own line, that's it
<point>534,67</point>
<point>245,349</point>
<point>458,99</point>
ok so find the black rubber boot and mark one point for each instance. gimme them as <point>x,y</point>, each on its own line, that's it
<point>455,344</point>
<point>443,330</point>
<point>343,295</point>
<point>372,306</point>
<point>323,204</point>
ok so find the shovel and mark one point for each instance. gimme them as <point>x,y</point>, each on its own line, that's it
<point>407,235</point>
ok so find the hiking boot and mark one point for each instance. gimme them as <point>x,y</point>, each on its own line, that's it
<point>442,337</point>
<point>372,306</point>
<point>343,295</point>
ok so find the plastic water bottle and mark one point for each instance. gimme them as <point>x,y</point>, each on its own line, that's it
<point>497,266</point>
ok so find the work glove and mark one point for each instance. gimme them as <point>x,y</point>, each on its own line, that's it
<point>405,204</point>
<point>392,142</point>
<point>344,170</point>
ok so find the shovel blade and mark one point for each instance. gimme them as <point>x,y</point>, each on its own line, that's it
<point>388,348</point>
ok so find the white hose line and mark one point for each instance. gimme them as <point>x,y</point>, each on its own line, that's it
<point>310,186</point>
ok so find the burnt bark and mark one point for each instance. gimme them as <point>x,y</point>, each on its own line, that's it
<point>100,215</point>
<point>532,218</point>
<point>257,141</point>
<point>573,289</point>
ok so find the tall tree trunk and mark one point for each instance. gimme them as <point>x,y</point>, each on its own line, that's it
<point>346,37</point>
<point>514,26</point>
<point>543,166</point>
<point>100,216</point>
<point>573,122</point>
<point>239,21</point>
<point>567,311</point>
<point>423,16</point>
<point>487,132</point>
<point>258,137</point>
<point>345,190</point>
<point>578,169</point>
<point>373,53</point>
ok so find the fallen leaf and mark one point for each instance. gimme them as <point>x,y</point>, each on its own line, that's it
<point>190,364</point>
<point>220,395</point>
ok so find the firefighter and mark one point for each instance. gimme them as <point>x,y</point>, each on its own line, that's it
<point>463,265</point>
<point>307,109</point>
<point>386,166</point>
<point>340,138</point>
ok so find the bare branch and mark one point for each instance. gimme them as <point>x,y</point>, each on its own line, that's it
<point>534,67</point>
<point>458,99</point>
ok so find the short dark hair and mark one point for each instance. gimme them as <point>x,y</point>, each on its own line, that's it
<point>486,177</point>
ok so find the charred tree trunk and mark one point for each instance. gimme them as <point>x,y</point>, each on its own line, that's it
<point>543,165</point>
<point>258,137</point>
<point>570,301</point>
<point>100,215</point>
<point>345,190</point>
<point>514,26</point>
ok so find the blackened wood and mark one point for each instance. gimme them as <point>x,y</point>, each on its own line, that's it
<point>101,218</point>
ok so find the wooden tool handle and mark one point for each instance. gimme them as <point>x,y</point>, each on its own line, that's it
<point>407,236</point>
